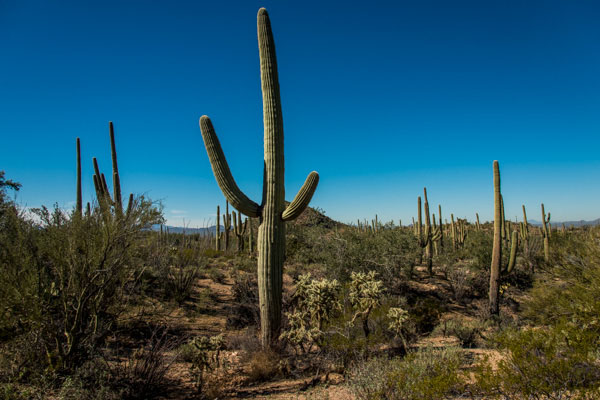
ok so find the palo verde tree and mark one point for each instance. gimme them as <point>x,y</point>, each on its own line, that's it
<point>272,211</point>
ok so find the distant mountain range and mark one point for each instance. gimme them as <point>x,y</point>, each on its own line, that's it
<point>188,231</point>
<point>567,223</point>
<point>212,229</point>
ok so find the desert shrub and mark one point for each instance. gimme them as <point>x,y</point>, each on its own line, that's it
<point>181,273</point>
<point>424,374</point>
<point>211,253</point>
<point>263,366</point>
<point>425,313</point>
<point>467,332</point>
<point>569,294</point>
<point>390,252</point>
<point>460,282</point>
<point>244,311</point>
<point>551,363</point>
<point>64,279</point>
<point>216,275</point>
<point>142,374</point>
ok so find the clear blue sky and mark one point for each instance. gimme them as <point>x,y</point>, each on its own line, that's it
<point>381,99</point>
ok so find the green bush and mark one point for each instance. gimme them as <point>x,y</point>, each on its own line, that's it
<point>553,363</point>
<point>422,375</point>
<point>63,281</point>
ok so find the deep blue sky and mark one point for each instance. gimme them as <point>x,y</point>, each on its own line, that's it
<point>381,99</point>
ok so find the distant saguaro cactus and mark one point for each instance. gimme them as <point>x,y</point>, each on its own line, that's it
<point>272,212</point>
<point>226,225</point>
<point>218,231</point>
<point>546,232</point>
<point>79,204</point>
<point>239,230</point>
<point>105,200</point>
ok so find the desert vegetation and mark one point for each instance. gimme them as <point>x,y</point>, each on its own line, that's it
<point>103,302</point>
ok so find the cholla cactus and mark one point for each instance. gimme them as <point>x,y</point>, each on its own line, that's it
<point>300,334</point>
<point>316,302</point>
<point>398,317</point>
<point>206,354</point>
<point>365,294</point>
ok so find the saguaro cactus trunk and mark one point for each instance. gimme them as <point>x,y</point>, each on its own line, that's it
<point>272,212</point>
<point>497,249</point>
<point>79,204</point>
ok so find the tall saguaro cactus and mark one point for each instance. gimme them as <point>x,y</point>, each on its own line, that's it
<point>272,212</point>
<point>495,270</point>
<point>497,249</point>
<point>79,204</point>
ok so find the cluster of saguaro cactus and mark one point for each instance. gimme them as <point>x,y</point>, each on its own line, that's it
<point>272,212</point>
<point>239,229</point>
<point>425,237</point>
<point>546,233</point>
<point>495,269</point>
<point>107,203</point>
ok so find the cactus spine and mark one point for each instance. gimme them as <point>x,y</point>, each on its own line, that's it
<point>272,212</point>
<point>495,270</point>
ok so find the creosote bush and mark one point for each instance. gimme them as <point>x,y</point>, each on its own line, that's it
<point>420,375</point>
<point>64,280</point>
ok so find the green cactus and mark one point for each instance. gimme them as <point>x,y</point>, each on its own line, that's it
<point>525,233</point>
<point>226,225</point>
<point>423,237</point>
<point>272,212</point>
<point>250,237</point>
<point>495,270</point>
<point>118,203</point>
<point>453,232</point>
<point>218,232</point>
<point>105,201</point>
<point>546,234</point>
<point>239,230</point>
<point>79,204</point>
<point>477,223</point>
<point>461,232</point>
<point>441,240</point>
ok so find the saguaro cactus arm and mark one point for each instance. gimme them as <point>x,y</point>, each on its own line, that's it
<point>514,243</point>
<point>222,173</point>
<point>302,198</point>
